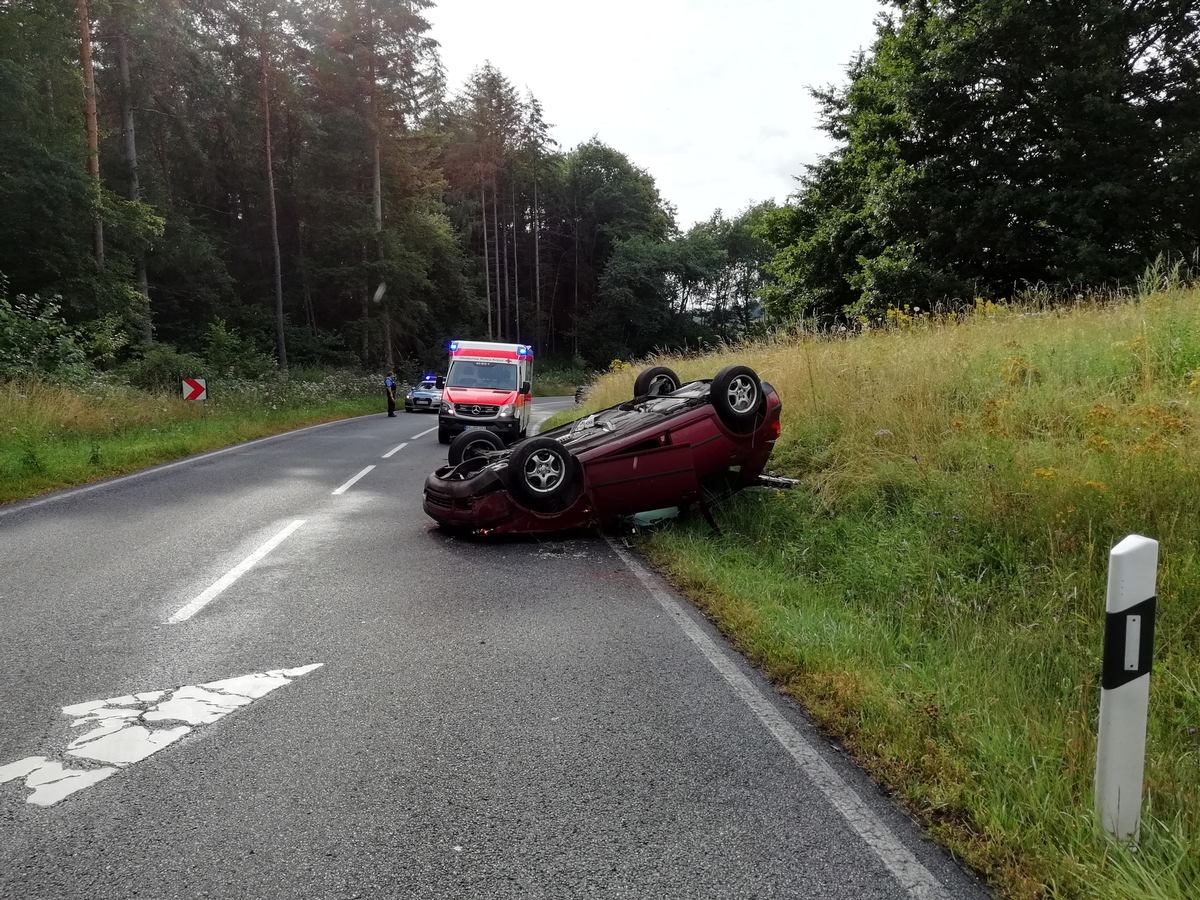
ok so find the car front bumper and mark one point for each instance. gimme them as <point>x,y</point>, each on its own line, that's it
<point>421,404</point>
<point>509,429</point>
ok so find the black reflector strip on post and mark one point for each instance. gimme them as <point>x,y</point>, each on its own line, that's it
<point>1128,644</point>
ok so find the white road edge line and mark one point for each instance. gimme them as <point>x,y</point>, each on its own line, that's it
<point>233,575</point>
<point>899,860</point>
<point>423,433</point>
<point>394,450</point>
<point>345,487</point>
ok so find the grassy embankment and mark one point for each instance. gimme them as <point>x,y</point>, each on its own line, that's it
<point>934,590</point>
<point>55,437</point>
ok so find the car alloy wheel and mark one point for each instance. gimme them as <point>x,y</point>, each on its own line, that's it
<point>743,394</point>
<point>543,471</point>
<point>543,474</point>
<point>737,395</point>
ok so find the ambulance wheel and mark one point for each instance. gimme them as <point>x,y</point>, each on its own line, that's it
<point>443,436</point>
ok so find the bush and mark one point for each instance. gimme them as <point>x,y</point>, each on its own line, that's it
<point>161,368</point>
<point>36,341</point>
<point>228,353</point>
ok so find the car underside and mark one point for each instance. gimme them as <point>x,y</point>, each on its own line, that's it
<point>672,445</point>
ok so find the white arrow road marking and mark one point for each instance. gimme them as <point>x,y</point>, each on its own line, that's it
<point>233,575</point>
<point>395,450</point>
<point>345,487</point>
<point>122,736</point>
<point>49,780</point>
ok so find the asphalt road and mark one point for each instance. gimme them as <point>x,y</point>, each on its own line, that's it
<point>430,717</point>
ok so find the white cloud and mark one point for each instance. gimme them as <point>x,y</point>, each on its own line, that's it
<point>709,96</point>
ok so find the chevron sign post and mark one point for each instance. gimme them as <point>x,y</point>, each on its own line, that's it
<point>1125,684</point>
<point>195,389</point>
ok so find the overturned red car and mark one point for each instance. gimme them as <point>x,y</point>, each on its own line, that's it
<point>671,445</point>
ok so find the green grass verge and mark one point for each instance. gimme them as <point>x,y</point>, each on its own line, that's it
<point>55,438</point>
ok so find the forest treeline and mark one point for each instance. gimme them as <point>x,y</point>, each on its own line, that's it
<point>299,175</point>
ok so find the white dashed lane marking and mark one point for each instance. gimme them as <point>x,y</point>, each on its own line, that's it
<point>423,433</point>
<point>394,450</point>
<point>345,487</point>
<point>233,575</point>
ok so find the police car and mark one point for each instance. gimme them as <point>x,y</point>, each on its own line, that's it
<point>424,397</point>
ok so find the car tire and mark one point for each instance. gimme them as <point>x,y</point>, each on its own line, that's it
<point>737,395</point>
<point>473,443</point>
<point>443,436</point>
<point>543,475</point>
<point>655,381</point>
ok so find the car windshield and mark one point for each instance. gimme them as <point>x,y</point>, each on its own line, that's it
<point>496,376</point>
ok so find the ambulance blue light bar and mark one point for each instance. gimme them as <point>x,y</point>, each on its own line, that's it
<point>453,346</point>
<point>522,351</point>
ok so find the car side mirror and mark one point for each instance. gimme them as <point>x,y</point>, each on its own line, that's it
<point>526,388</point>
<point>439,382</point>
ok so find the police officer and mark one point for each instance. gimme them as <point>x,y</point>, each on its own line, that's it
<point>389,385</point>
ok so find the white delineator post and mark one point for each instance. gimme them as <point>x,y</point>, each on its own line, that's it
<point>1125,684</point>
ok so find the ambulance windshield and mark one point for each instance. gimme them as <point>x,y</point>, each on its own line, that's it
<point>496,376</point>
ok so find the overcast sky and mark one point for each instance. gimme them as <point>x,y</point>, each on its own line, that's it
<point>708,96</point>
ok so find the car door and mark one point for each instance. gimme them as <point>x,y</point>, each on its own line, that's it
<point>652,475</point>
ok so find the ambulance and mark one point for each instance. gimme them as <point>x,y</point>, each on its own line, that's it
<point>487,386</point>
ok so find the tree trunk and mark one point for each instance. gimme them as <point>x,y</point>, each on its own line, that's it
<point>500,322</point>
<point>377,190</point>
<point>575,304</point>
<point>487,259</point>
<point>264,73</point>
<point>507,296</point>
<point>310,317</point>
<point>537,268</point>
<point>516,281</point>
<point>366,323</point>
<point>93,131</point>
<point>129,143</point>
<point>158,136</point>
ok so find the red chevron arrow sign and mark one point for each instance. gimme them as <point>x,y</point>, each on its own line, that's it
<point>194,389</point>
